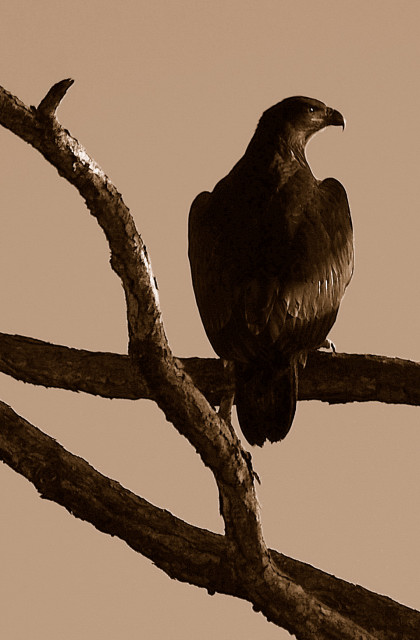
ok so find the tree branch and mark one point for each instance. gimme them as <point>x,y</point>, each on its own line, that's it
<point>49,105</point>
<point>254,572</point>
<point>170,386</point>
<point>185,552</point>
<point>333,378</point>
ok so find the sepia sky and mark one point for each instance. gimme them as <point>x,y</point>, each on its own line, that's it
<point>167,95</point>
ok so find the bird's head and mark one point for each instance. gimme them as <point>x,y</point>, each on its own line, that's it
<point>295,120</point>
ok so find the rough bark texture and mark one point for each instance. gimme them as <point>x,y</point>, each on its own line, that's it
<point>329,377</point>
<point>309,603</point>
<point>184,552</point>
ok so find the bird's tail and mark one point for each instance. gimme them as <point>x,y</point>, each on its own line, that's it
<point>266,401</point>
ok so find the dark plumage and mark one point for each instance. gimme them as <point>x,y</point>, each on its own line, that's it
<point>271,253</point>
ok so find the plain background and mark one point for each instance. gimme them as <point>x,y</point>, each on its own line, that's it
<point>166,98</point>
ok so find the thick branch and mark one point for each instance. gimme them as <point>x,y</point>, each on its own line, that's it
<point>184,552</point>
<point>40,128</point>
<point>280,599</point>
<point>169,385</point>
<point>334,378</point>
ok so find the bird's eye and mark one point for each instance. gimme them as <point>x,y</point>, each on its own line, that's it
<point>311,109</point>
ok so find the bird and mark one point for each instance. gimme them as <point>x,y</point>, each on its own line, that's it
<point>271,254</point>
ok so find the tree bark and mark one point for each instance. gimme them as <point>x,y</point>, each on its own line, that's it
<point>184,552</point>
<point>329,377</point>
<point>309,603</point>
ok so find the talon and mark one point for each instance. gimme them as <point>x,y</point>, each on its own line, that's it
<point>328,344</point>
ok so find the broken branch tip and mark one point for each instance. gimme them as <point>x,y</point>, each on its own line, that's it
<point>48,105</point>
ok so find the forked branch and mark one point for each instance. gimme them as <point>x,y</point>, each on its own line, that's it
<point>184,552</point>
<point>239,562</point>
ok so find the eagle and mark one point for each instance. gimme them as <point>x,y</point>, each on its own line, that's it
<point>271,255</point>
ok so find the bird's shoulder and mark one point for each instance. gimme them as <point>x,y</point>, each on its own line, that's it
<point>333,194</point>
<point>199,207</point>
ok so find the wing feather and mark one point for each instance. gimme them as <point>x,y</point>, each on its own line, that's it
<point>314,283</point>
<point>209,265</point>
<point>265,285</point>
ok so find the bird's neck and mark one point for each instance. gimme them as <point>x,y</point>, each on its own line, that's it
<point>281,158</point>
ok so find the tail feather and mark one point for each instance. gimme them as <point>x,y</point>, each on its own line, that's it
<point>266,401</point>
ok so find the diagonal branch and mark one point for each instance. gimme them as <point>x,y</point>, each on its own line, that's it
<point>255,569</point>
<point>170,386</point>
<point>40,129</point>
<point>333,378</point>
<point>184,552</point>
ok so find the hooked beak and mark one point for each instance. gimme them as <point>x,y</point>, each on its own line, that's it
<point>334,118</point>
